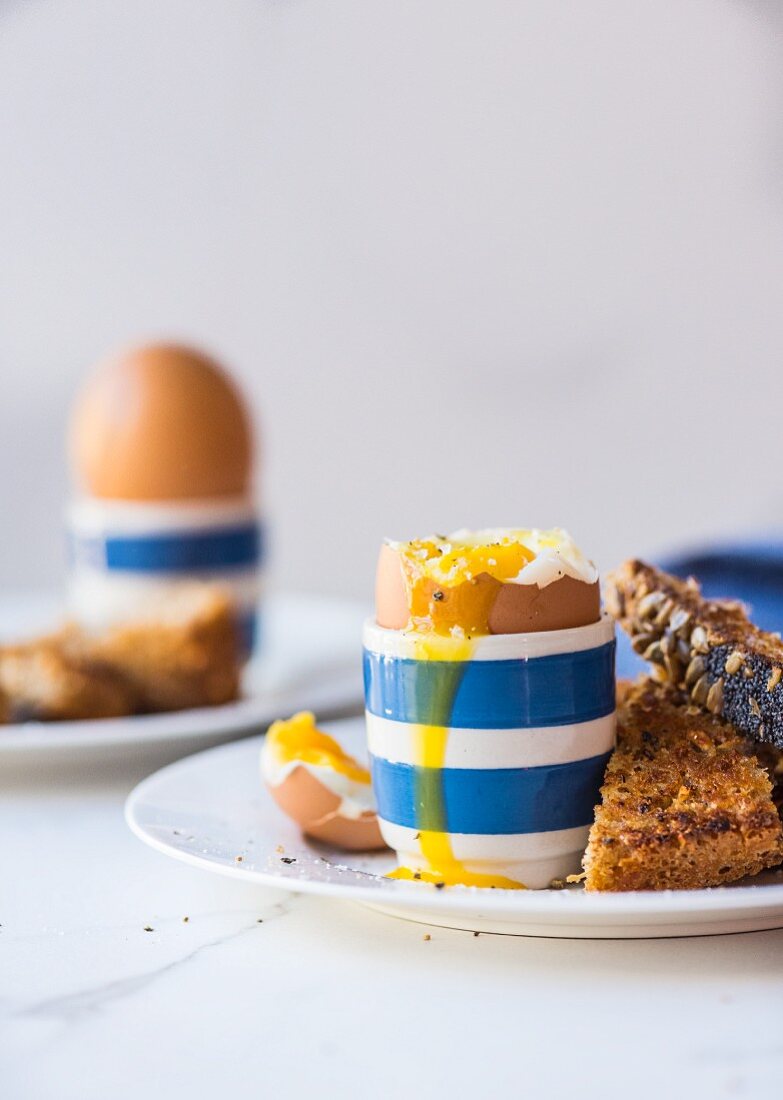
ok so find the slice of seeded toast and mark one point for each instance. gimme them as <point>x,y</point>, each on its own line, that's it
<point>685,803</point>
<point>184,653</point>
<point>709,648</point>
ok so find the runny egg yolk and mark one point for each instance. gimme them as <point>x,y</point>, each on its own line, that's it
<point>430,741</point>
<point>456,560</point>
<point>299,739</point>
<point>452,583</point>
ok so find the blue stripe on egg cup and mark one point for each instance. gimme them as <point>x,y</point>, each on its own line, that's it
<point>492,801</point>
<point>559,689</point>
<point>250,624</point>
<point>236,546</point>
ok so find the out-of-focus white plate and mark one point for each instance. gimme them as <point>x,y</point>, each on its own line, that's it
<point>211,810</point>
<point>310,659</point>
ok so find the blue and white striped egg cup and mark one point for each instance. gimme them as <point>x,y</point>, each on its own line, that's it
<point>125,554</point>
<point>531,727</point>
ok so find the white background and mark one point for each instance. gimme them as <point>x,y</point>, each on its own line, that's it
<point>476,263</point>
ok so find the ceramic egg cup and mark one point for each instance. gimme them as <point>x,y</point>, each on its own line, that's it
<point>527,729</point>
<point>127,553</point>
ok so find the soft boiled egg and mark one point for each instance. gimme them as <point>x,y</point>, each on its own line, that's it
<point>496,581</point>
<point>317,784</point>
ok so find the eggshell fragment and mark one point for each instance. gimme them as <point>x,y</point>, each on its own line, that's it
<point>317,811</point>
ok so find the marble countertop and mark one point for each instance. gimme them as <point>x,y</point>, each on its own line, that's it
<point>124,974</point>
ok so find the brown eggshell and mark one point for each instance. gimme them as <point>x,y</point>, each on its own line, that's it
<point>161,422</point>
<point>315,809</point>
<point>526,608</point>
<point>391,601</point>
<point>516,608</point>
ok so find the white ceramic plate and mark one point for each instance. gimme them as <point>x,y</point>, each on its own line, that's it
<point>310,659</point>
<point>210,810</point>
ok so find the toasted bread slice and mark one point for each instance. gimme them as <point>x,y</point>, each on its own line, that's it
<point>39,681</point>
<point>186,654</point>
<point>685,803</point>
<point>709,648</point>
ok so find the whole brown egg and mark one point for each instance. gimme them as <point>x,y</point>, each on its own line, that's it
<point>161,422</point>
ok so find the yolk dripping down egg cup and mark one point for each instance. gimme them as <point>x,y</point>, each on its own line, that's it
<point>490,699</point>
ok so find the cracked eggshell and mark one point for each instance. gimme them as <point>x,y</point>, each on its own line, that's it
<point>517,608</point>
<point>526,608</point>
<point>316,809</point>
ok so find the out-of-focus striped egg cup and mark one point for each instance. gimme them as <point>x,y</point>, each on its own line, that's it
<point>126,554</point>
<point>523,729</point>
